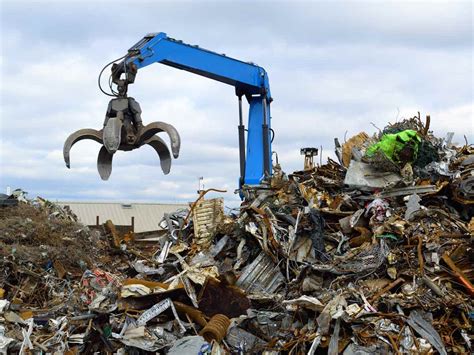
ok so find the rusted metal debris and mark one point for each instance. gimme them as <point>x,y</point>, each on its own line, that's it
<point>216,328</point>
<point>314,262</point>
<point>207,215</point>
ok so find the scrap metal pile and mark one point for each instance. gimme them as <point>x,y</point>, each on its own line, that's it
<point>371,254</point>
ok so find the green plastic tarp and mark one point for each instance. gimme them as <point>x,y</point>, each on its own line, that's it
<point>392,144</point>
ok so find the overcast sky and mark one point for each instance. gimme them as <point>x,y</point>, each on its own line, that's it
<point>335,67</point>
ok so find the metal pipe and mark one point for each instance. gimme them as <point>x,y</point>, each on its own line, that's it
<point>266,157</point>
<point>241,144</point>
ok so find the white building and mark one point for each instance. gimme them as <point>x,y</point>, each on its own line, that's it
<point>143,216</point>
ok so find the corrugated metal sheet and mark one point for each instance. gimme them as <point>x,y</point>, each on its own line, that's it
<point>262,275</point>
<point>147,215</point>
<point>207,214</point>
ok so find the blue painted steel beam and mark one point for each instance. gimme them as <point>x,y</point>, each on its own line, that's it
<point>254,165</point>
<point>158,47</point>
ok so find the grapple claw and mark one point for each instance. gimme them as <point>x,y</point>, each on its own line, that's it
<point>112,135</point>
<point>104,163</point>
<point>123,130</point>
<point>87,133</point>
<point>163,152</point>
<point>157,127</point>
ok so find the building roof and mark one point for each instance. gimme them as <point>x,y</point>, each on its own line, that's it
<point>146,215</point>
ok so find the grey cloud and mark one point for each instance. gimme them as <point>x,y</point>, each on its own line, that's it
<point>414,23</point>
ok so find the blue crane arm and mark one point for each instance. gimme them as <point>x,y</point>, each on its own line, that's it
<point>249,80</point>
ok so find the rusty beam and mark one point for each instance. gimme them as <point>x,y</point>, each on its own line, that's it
<point>459,273</point>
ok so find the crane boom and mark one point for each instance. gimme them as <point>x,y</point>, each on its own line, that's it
<point>124,130</point>
<point>249,80</point>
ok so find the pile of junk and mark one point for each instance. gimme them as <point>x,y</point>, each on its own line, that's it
<point>370,253</point>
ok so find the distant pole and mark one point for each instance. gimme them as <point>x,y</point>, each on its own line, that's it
<point>201,185</point>
<point>97,221</point>
<point>133,224</point>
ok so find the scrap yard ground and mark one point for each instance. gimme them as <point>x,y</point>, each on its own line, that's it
<point>368,254</point>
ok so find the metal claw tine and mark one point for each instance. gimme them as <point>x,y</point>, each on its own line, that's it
<point>112,133</point>
<point>156,127</point>
<point>104,163</point>
<point>87,133</point>
<point>163,152</point>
